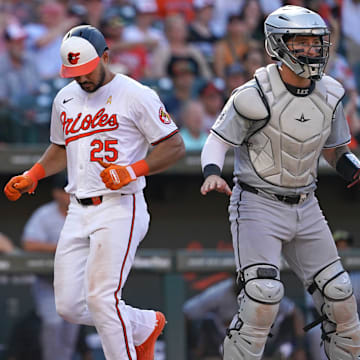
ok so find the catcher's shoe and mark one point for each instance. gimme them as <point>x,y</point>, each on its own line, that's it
<point>146,350</point>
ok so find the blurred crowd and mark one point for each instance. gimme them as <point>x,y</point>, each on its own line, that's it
<point>192,52</point>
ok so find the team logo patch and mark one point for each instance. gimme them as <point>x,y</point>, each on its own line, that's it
<point>302,118</point>
<point>164,116</point>
<point>73,58</point>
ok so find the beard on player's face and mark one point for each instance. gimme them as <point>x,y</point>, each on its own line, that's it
<point>93,81</point>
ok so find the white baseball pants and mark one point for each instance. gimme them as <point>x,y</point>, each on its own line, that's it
<point>93,259</point>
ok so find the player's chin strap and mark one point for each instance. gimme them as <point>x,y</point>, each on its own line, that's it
<point>333,296</point>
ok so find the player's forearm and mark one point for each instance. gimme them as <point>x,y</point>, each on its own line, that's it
<point>166,154</point>
<point>333,155</point>
<point>53,160</point>
<point>345,163</point>
<point>213,155</point>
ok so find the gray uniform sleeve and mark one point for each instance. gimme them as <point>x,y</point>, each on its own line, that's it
<point>340,133</point>
<point>230,126</point>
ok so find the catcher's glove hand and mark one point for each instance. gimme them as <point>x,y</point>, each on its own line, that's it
<point>116,176</point>
<point>18,185</point>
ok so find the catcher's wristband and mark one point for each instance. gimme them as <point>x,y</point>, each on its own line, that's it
<point>348,166</point>
<point>211,169</point>
<point>139,168</point>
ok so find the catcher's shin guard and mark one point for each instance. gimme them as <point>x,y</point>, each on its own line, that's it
<point>259,304</point>
<point>335,301</point>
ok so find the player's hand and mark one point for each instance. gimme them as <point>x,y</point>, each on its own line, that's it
<point>115,176</point>
<point>18,185</point>
<point>217,183</point>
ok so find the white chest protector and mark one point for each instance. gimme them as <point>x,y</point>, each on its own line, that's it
<point>285,152</point>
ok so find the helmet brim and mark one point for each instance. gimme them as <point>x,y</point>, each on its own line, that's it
<point>79,70</point>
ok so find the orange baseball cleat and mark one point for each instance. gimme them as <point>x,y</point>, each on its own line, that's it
<point>146,350</point>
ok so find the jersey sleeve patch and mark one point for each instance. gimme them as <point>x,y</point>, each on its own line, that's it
<point>164,116</point>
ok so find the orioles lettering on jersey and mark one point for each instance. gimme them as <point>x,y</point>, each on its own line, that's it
<point>75,128</point>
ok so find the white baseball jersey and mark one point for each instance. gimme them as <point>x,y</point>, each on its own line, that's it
<point>115,124</point>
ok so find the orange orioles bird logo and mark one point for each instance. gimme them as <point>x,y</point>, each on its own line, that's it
<point>164,116</point>
<point>73,58</point>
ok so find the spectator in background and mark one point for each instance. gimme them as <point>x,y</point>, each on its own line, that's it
<point>350,16</point>
<point>302,3</point>
<point>44,38</point>
<point>235,76</point>
<point>200,31</point>
<point>125,57</point>
<point>22,11</point>
<point>142,31</point>
<point>253,59</point>
<point>123,8</point>
<point>212,98</point>
<point>192,131</point>
<point>183,72</point>
<point>41,233</point>
<point>254,19</point>
<point>222,11</point>
<point>344,240</point>
<point>339,68</point>
<point>176,33</point>
<point>19,86</point>
<point>270,6</point>
<point>7,246</point>
<point>232,48</point>
<point>95,11</point>
<point>171,7</point>
<point>78,11</point>
<point>208,315</point>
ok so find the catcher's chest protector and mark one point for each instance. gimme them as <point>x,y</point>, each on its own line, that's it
<point>286,150</point>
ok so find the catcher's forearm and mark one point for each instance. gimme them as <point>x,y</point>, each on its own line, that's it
<point>334,154</point>
<point>345,163</point>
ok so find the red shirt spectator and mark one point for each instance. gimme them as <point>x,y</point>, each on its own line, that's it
<point>171,7</point>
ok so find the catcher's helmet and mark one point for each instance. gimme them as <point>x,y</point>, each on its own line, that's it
<point>81,50</point>
<point>289,21</point>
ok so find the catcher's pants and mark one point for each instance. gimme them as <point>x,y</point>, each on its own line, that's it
<point>263,229</point>
<point>93,259</point>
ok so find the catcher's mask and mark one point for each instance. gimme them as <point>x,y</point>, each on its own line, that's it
<point>283,26</point>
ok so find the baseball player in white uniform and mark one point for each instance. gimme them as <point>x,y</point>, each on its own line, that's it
<point>101,128</point>
<point>279,123</point>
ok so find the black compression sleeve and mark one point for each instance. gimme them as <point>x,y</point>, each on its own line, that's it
<point>348,166</point>
<point>211,169</point>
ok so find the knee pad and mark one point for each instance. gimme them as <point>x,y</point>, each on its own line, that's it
<point>334,282</point>
<point>262,284</point>
<point>259,304</point>
<point>341,329</point>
